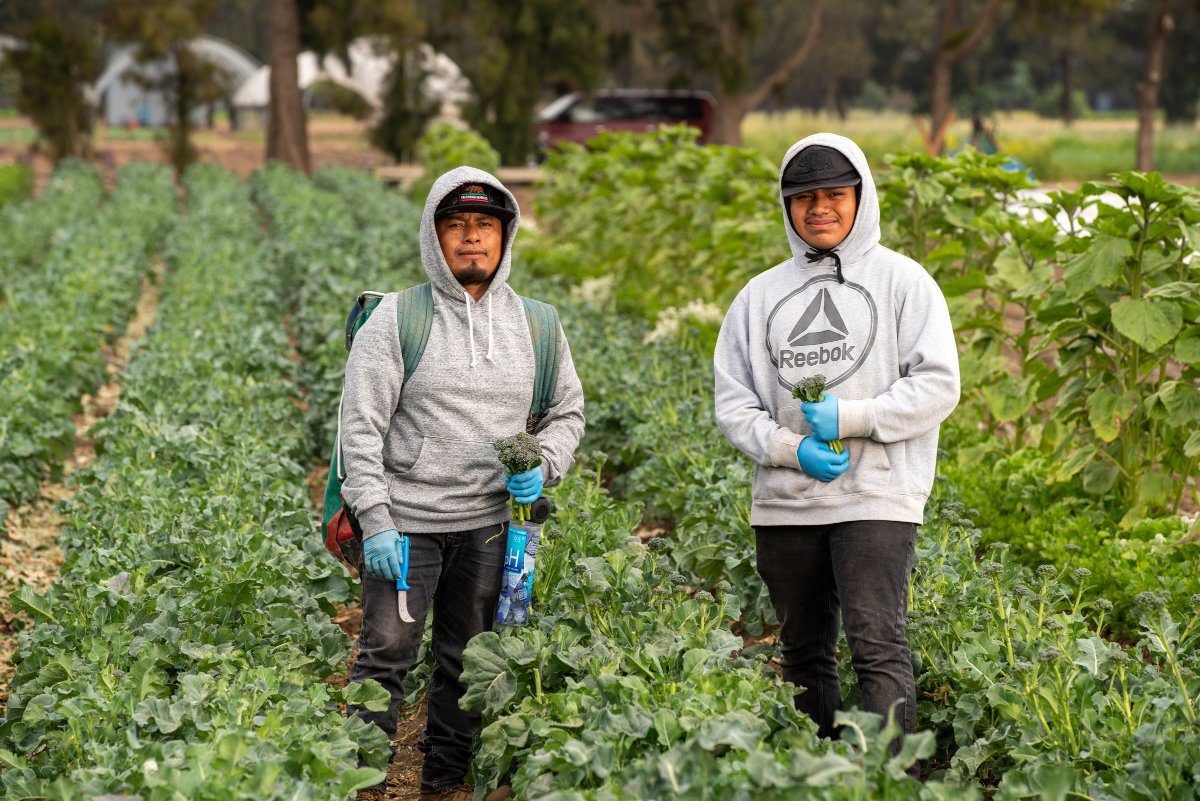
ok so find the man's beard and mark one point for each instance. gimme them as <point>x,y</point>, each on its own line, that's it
<point>473,274</point>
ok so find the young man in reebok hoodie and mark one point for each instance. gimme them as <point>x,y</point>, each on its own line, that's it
<point>419,459</point>
<point>835,532</point>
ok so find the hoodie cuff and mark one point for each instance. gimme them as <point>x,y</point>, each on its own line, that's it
<point>784,443</point>
<point>375,520</point>
<point>856,418</point>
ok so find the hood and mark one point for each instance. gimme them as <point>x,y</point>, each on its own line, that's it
<point>432,259</point>
<point>864,236</point>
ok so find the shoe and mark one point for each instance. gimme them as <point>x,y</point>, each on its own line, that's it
<point>501,793</point>
<point>463,792</point>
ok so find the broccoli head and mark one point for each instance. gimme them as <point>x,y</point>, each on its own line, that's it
<point>519,453</point>
<point>810,389</point>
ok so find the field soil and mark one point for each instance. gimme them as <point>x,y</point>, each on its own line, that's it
<point>333,140</point>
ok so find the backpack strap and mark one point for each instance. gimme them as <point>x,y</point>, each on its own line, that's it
<point>544,330</point>
<point>414,318</point>
<point>359,312</point>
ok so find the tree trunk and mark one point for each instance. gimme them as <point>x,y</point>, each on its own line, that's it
<point>1147,87</point>
<point>953,45</point>
<point>287,125</point>
<point>727,119</point>
<point>940,104</point>
<point>183,94</point>
<point>733,106</point>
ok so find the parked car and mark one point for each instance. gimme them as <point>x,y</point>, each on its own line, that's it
<point>577,117</point>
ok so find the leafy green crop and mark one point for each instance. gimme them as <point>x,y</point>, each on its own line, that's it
<point>334,237</point>
<point>16,183</point>
<point>629,686</point>
<point>58,316</point>
<point>670,220</point>
<point>445,146</point>
<point>184,651</point>
<point>70,199</point>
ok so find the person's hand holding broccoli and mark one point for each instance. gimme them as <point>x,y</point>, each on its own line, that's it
<point>521,454</point>
<point>820,409</point>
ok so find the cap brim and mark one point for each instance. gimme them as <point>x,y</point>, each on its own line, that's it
<point>788,191</point>
<point>505,215</point>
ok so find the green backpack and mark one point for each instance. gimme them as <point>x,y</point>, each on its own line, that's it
<point>414,317</point>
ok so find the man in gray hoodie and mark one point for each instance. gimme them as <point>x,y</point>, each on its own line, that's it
<point>835,532</point>
<point>419,459</point>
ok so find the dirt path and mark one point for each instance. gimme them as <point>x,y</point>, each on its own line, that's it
<point>333,140</point>
<point>28,553</point>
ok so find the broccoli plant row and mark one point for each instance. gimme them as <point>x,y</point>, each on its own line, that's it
<point>1018,682</point>
<point>183,653</point>
<point>57,319</point>
<point>334,236</point>
<point>630,684</point>
<point>65,208</point>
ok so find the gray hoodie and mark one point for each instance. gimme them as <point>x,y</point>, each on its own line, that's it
<point>884,342</point>
<point>419,456</point>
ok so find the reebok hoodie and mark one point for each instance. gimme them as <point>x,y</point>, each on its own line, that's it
<point>884,342</point>
<point>419,455</point>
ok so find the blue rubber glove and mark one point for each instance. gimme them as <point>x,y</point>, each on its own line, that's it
<point>822,417</point>
<point>383,556</point>
<point>819,461</point>
<point>526,487</point>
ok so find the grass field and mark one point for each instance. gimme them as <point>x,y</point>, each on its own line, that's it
<point>1090,149</point>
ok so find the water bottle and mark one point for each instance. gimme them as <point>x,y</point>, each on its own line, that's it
<point>516,587</point>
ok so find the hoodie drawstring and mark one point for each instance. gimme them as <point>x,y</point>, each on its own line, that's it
<point>816,255</point>
<point>471,330</point>
<point>489,352</point>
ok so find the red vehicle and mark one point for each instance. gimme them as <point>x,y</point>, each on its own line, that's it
<point>577,117</point>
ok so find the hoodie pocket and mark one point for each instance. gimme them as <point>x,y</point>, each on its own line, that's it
<point>870,468</point>
<point>450,470</point>
<point>870,471</point>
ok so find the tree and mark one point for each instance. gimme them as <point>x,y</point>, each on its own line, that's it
<point>518,49</point>
<point>954,41</point>
<point>1147,87</point>
<point>164,29</point>
<point>1056,35</point>
<point>1181,73</point>
<point>287,124</point>
<point>58,58</point>
<point>396,28</point>
<point>722,42</point>
<point>407,109</point>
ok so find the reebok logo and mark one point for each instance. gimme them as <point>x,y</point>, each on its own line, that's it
<point>820,324</point>
<point>822,327</point>
<point>816,356</point>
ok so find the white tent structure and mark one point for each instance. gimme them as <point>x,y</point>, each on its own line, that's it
<point>124,100</point>
<point>370,64</point>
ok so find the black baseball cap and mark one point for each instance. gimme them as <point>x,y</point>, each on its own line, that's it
<point>479,198</point>
<point>818,167</point>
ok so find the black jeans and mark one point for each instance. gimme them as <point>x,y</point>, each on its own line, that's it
<point>460,573</point>
<point>860,569</point>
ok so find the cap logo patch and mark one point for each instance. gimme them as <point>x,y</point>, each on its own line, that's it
<point>473,194</point>
<point>814,161</point>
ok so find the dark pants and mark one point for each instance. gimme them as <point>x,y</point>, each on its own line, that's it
<point>460,572</point>
<point>860,569</point>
